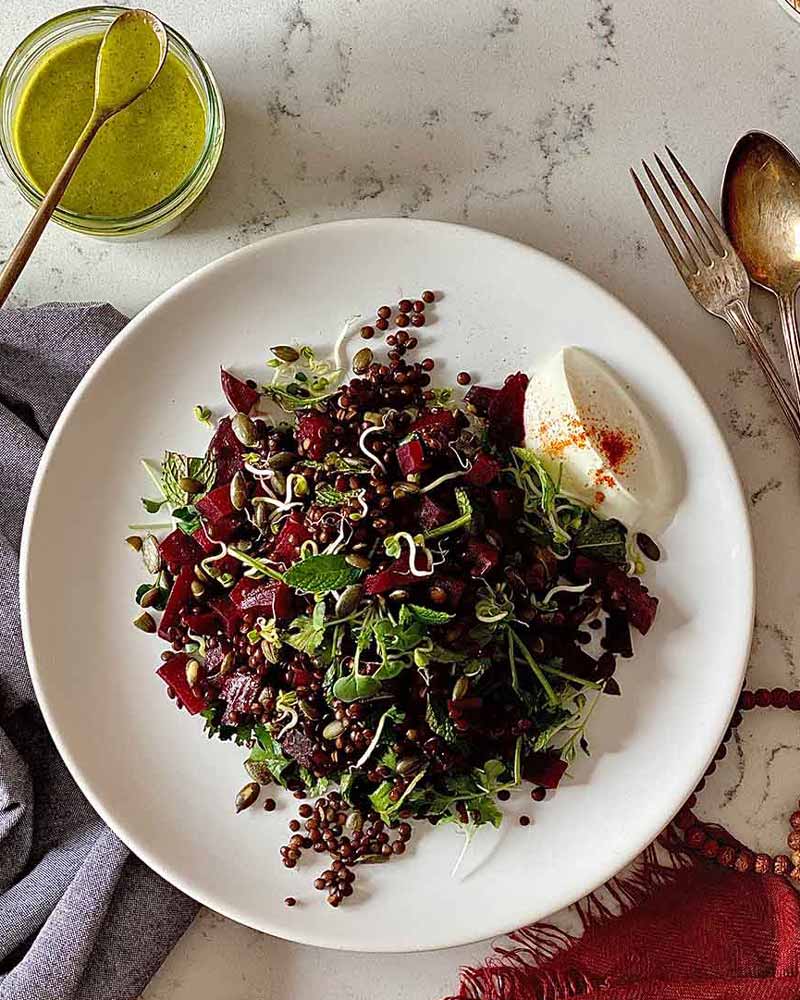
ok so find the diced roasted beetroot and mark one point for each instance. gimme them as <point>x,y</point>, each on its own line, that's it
<point>505,415</point>
<point>577,661</point>
<point>216,505</point>
<point>179,550</point>
<point>179,597</point>
<point>411,456</point>
<point>227,451</point>
<point>228,613</point>
<point>173,673</point>
<point>545,769</point>
<point>202,623</point>
<point>224,529</point>
<point>453,586</point>
<point>507,502</point>
<point>293,533</point>
<point>299,746</point>
<point>238,393</point>
<point>480,397</point>
<point>207,544</point>
<point>239,691</point>
<point>431,514</point>
<point>484,469</point>
<point>272,598</point>
<point>482,557</point>
<point>620,592</point>
<point>437,422</point>
<point>214,657</point>
<point>314,435</point>
<point>396,575</point>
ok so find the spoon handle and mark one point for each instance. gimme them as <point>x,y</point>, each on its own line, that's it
<point>791,335</point>
<point>19,256</point>
<point>739,318</point>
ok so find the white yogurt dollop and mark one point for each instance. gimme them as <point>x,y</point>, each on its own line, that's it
<point>585,424</point>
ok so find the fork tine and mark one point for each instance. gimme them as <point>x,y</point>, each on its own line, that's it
<point>706,240</point>
<point>661,229</point>
<point>698,255</point>
<point>724,244</point>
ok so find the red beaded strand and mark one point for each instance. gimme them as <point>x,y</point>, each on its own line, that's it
<point>719,846</point>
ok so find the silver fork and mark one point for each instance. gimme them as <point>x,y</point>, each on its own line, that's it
<point>712,270</point>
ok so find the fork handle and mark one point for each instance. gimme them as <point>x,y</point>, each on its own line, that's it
<point>739,318</point>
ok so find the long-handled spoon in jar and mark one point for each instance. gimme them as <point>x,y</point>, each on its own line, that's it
<point>118,81</point>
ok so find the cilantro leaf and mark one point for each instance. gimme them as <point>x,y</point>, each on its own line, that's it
<point>321,574</point>
<point>304,635</point>
<point>267,751</point>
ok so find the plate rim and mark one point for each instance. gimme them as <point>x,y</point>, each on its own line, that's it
<point>187,885</point>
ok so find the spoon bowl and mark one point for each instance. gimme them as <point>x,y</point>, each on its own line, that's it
<point>761,212</point>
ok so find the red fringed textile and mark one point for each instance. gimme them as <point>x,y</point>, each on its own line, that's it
<point>683,929</point>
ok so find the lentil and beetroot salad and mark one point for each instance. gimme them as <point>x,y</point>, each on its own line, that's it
<point>385,597</point>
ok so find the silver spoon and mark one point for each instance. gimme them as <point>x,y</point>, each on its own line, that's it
<point>761,212</point>
<point>115,87</point>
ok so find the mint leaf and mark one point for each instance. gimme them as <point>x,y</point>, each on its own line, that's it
<point>188,519</point>
<point>354,687</point>
<point>428,615</point>
<point>439,721</point>
<point>152,506</point>
<point>321,574</point>
<point>603,539</point>
<point>176,466</point>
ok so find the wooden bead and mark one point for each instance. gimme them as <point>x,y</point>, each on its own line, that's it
<point>744,861</point>
<point>696,837</point>
<point>794,820</point>
<point>711,848</point>
<point>781,865</point>
<point>762,864</point>
<point>727,857</point>
<point>793,840</point>
<point>795,856</point>
<point>795,874</point>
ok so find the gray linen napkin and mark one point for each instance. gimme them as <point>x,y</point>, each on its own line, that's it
<point>81,918</point>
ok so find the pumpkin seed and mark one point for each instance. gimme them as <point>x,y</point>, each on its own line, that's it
<point>360,562</point>
<point>135,542</point>
<point>460,688</point>
<point>197,588</point>
<point>371,417</point>
<point>301,486</point>
<point>399,595</point>
<point>362,360</point>
<point>149,597</point>
<point>238,491</point>
<point>226,665</point>
<point>333,730</point>
<point>261,516</point>
<point>189,485</point>
<point>258,771</point>
<point>244,429</point>
<point>247,796</point>
<point>285,353</point>
<point>309,711</point>
<point>282,460</point>
<point>372,859</point>
<point>354,822</point>
<point>408,765</point>
<point>192,673</point>
<point>151,555</point>
<point>266,695</point>
<point>145,622</point>
<point>201,574</point>
<point>648,546</point>
<point>401,490</point>
<point>279,482</point>
<point>348,601</point>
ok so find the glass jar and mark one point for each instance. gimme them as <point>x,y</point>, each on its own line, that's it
<point>159,218</point>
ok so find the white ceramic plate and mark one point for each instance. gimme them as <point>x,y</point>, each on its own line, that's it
<point>167,791</point>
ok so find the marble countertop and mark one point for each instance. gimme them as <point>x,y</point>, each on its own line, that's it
<point>519,116</point>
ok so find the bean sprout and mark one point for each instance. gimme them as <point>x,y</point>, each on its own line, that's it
<point>442,479</point>
<point>370,454</point>
<point>350,327</point>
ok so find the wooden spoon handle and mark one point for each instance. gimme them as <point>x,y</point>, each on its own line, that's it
<point>25,246</point>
